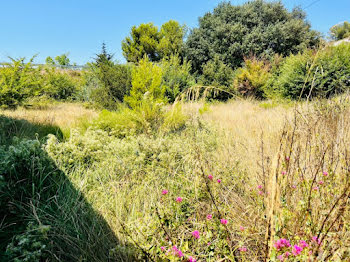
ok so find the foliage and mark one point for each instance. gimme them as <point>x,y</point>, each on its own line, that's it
<point>176,76</point>
<point>30,246</point>
<point>252,78</point>
<point>340,31</point>
<point>63,60</point>
<point>18,81</point>
<point>147,40</point>
<point>315,74</point>
<point>146,84</point>
<point>255,28</point>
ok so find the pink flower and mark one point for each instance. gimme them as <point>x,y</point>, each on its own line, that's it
<point>287,158</point>
<point>259,186</point>
<point>164,192</point>
<point>281,243</point>
<point>191,259</point>
<point>223,221</point>
<point>321,182</point>
<point>287,254</point>
<point>219,181</point>
<point>303,243</point>
<point>294,186</point>
<point>179,199</point>
<point>316,188</point>
<point>315,239</point>
<point>243,249</point>
<point>297,250</point>
<point>210,177</point>
<point>241,228</point>
<point>281,258</point>
<point>195,234</point>
<point>180,254</point>
<point>209,216</point>
<point>284,172</point>
<point>260,193</point>
<point>209,244</point>
<point>325,173</point>
<point>162,248</point>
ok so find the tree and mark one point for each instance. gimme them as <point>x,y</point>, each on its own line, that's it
<point>49,61</point>
<point>63,59</point>
<point>257,28</point>
<point>340,31</point>
<point>171,39</point>
<point>143,40</point>
<point>156,44</point>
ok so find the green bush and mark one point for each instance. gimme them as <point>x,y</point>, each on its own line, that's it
<point>252,78</point>
<point>18,81</point>
<point>176,76</point>
<point>315,74</point>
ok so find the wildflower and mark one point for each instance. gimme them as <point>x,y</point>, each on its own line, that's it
<point>321,182</point>
<point>210,177</point>
<point>241,228</point>
<point>223,221</point>
<point>180,254</point>
<point>259,186</point>
<point>260,193</point>
<point>219,181</point>
<point>209,243</point>
<point>297,250</point>
<point>287,254</point>
<point>280,257</point>
<point>316,188</point>
<point>195,234</point>
<point>243,249</point>
<point>281,243</point>
<point>287,158</point>
<point>209,216</point>
<point>164,192</point>
<point>191,259</point>
<point>315,239</point>
<point>284,172</point>
<point>294,186</point>
<point>325,173</point>
<point>303,243</point>
<point>162,248</point>
<point>179,199</point>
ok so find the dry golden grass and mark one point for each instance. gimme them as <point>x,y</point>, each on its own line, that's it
<point>63,115</point>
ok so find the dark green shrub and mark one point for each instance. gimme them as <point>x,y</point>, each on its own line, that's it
<point>176,76</point>
<point>315,74</point>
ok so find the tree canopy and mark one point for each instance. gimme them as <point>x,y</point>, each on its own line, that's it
<point>340,31</point>
<point>146,39</point>
<point>255,28</point>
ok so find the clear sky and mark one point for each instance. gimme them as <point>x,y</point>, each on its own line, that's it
<point>53,27</point>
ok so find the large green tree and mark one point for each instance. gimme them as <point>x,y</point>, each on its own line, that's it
<point>255,28</point>
<point>146,39</point>
<point>340,31</point>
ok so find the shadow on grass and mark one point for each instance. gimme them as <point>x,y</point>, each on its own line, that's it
<point>34,191</point>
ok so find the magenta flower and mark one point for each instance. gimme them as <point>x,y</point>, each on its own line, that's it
<point>179,199</point>
<point>259,186</point>
<point>316,188</point>
<point>219,181</point>
<point>284,172</point>
<point>315,239</point>
<point>260,193</point>
<point>281,258</point>
<point>164,192</point>
<point>223,221</point>
<point>303,243</point>
<point>209,243</point>
<point>162,248</point>
<point>191,259</point>
<point>281,243</point>
<point>287,254</point>
<point>321,182</point>
<point>209,216</point>
<point>180,254</point>
<point>241,228</point>
<point>325,173</point>
<point>243,249</point>
<point>297,250</point>
<point>210,177</point>
<point>287,158</point>
<point>195,234</point>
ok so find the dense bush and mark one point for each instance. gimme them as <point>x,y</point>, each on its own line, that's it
<point>18,81</point>
<point>252,78</point>
<point>315,74</point>
<point>176,76</point>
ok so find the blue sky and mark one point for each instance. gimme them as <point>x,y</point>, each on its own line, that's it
<point>53,27</point>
